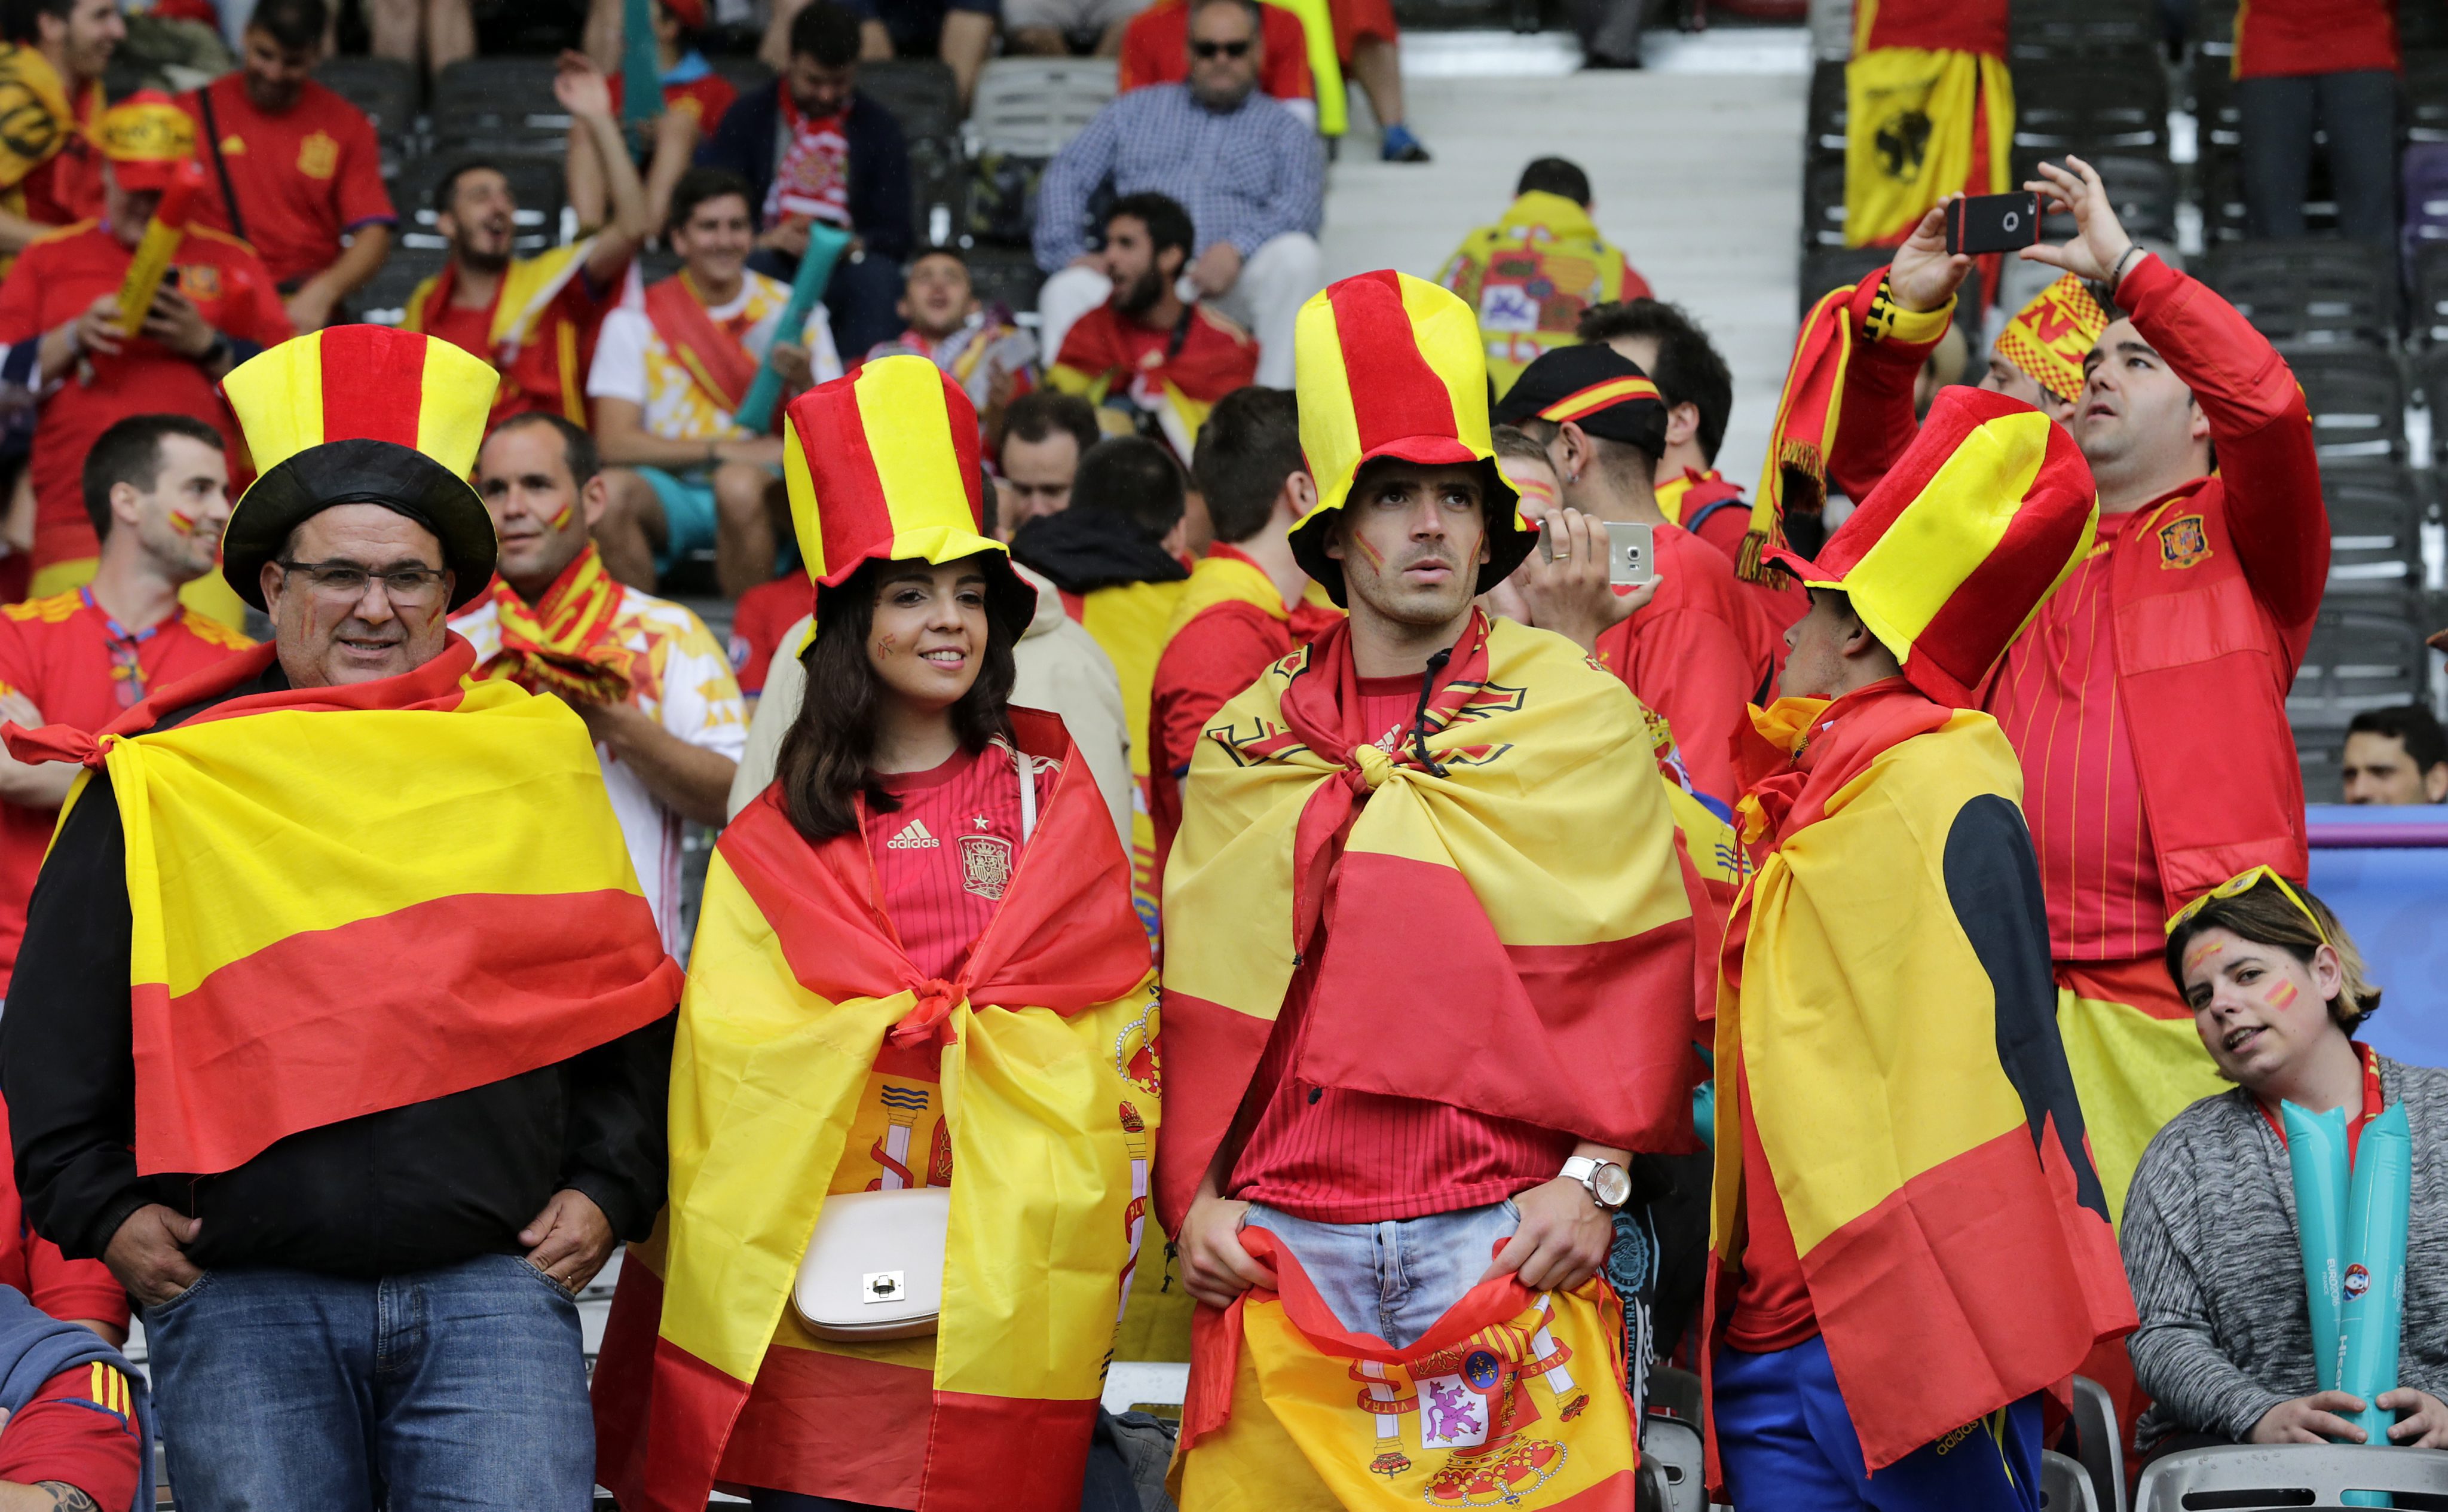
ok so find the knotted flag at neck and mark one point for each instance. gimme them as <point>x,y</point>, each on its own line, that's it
<point>565,642</point>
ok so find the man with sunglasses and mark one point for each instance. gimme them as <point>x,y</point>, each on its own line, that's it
<point>341,1031</point>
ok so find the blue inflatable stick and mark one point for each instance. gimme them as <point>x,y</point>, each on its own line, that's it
<point>2371,1309</point>
<point>825,247</point>
<point>2316,1154</point>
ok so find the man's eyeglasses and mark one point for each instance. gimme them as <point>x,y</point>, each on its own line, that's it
<point>346,582</point>
<point>2235,886</point>
<point>1219,49</point>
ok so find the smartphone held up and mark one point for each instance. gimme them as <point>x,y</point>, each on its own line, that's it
<point>1631,551</point>
<point>1982,224</point>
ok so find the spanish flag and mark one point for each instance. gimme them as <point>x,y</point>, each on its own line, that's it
<point>279,842</point>
<point>812,1059</point>
<point>1929,113</point>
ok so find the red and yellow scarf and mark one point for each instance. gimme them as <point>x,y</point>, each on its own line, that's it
<point>567,642</point>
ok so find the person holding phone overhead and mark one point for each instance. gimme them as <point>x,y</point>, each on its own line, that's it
<point>930,900</point>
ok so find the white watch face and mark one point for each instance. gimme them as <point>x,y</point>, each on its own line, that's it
<point>1612,1184</point>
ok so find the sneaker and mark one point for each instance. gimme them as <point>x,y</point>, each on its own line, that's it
<point>1399,145</point>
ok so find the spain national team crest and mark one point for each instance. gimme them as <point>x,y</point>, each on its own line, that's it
<point>985,864</point>
<point>2182,543</point>
<point>200,282</point>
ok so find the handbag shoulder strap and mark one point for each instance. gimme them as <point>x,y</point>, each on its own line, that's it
<point>220,164</point>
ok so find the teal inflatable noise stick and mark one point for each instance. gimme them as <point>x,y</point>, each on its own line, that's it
<point>2316,1156</point>
<point>2371,1307</point>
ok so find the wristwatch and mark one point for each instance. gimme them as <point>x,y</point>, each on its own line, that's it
<point>1610,1184</point>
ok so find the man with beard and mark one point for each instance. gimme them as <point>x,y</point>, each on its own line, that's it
<point>533,318</point>
<point>1248,172</point>
<point>50,95</point>
<point>1160,360</point>
<point>296,169</point>
<point>979,348</point>
<point>157,486</point>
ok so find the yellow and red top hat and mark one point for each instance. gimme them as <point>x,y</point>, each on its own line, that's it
<point>1391,365</point>
<point>361,415</point>
<point>145,137</point>
<point>1950,556</point>
<point>2049,337</point>
<point>882,466</point>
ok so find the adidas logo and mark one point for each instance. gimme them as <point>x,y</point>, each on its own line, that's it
<point>913,836</point>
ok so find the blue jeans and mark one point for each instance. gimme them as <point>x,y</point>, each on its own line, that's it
<point>1394,1279</point>
<point>462,1388</point>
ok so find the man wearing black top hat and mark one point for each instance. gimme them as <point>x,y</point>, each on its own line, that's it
<point>1700,650</point>
<point>341,1032</point>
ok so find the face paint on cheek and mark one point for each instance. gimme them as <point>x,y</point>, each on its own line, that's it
<point>182,522</point>
<point>561,521</point>
<point>2282,995</point>
<point>1376,559</point>
<point>2199,954</point>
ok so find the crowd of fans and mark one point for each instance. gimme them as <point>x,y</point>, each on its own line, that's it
<point>1999,670</point>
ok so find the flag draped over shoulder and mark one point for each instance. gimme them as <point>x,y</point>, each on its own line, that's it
<point>1929,111</point>
<point>1521,904</point>
<point>1220,578</point>
<point>1890,1004</point>
<point>811,1056</point>
<point>567,642</point>
<point>1514,1398</point>
<point>352,899</point>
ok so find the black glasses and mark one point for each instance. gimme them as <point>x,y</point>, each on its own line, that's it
<point>1219,49</point>
<point>346,582</point>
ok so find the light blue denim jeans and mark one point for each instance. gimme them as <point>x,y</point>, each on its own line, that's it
<point>462,1388</point>
<point>1393,1279</point>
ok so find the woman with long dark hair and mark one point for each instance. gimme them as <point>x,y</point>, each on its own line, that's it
<point>913,1096</point>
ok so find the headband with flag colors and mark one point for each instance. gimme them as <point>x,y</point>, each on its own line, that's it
<point>1593,386</point>
<point>882,466</point>
<point>361,415</point>
<point>1391,365</point>
<point>1596,397</point>
<point>2049,337</point>
<point>1953,553</point>
<point>145,137</point>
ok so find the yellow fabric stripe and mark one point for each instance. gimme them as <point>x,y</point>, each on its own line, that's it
<point>281,394</point>
<point>1599,397</point>
<point>1951,527</point>
<point>909,429</point>
<point>1223,580</point>
<point>456,399</point>
<point>1329,426</point>
<point>530,286</point>
<point>1447,330</point>
<point>806,509</point>
<point>1128,621</point>
<point>209,814</point>
<point>2132,1073</point>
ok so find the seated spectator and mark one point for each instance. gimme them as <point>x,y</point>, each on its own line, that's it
<point>992,360</point>
<point>1250,175</point>
<point>296,173</point>
<point>1156,49</point>
<point>669,371</point>
<point>1147,358</point>
<point>157,489</point>
<point>533,318</point>
<point>2395,756</point>
<point>2306,64</point>
<point>1055,28</point>
<point>960,32</point>
<point>1046,434</point>
<point>1532,273</point>
<point>645,674</point>
<point>2225,1349</point>
<point>50,84</point>
<point>812,148</point>
<point>217,307</point>
<point>79,1423</point>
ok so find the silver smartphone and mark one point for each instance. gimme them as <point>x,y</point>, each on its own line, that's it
<point>1631,553</point>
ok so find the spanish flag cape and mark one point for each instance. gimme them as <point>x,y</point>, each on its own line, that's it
<point>1226,575</point>
<point>567,642</point>
<point>1929,113</point>
<point>1888,997</point>
<point>806,1036</point>
<point>1514,1398</point>
<point>34,102</point>
<point>1512,894</point>
<point>291,853</point>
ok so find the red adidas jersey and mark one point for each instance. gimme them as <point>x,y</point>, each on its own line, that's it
<point>51,1281</point>
<point>944,857</point>
<point>759,621</point>
<point>304,178</point>
<point>79,1430</point>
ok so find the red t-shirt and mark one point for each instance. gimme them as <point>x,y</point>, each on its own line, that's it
<point>53,283</point>
<point>2285,37</point>
<point>1216,356</point>
<point>1156,49</point>
<point>944,857</point>
<point>1697,654</point>
<point>61,1287</point>
<point>304,178</point>
<point>2057,699</point>
<point>83,669</point>
<point>547,374</point>
<point>1772,1308</point>
<point>80,1430</point>
<point>1332,1155</point>
<point>758,622</point>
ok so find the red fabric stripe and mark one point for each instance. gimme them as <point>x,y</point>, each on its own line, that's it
<point>435,686</point>
<point>1400,395</point>
<point>832,1424</point>
<point>623,1391</point>
<point>1005,1454</point>
<point>374,384</point>
<point>1972,1286</point>
<point>279,1042</point>
<point>1208,1051</point>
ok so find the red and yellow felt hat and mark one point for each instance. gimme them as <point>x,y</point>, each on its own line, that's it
<point>882,466</point>
<point>361,415</point>
<point>1988,510</point>
<point>145,137</point>
<point>1391,365</point>
<point>2049,337</point>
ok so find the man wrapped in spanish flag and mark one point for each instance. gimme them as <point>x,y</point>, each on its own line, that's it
<point>1427,955</point>
<point>1913,1240</point>
<point>918,987</point>
<point>341,1028</point>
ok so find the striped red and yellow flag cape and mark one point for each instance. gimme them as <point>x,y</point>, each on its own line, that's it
<point>1929,111</point>
<point>805,1036</point>
<point>352,899</point>
<point>1893,1013</point>
<point>1225,576</point>
<point>1511,936</point>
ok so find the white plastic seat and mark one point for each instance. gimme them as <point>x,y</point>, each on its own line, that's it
<point>1032,107</point>
<point>2286,1475</point>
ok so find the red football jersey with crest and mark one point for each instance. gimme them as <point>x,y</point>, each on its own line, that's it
<point>943,858</point>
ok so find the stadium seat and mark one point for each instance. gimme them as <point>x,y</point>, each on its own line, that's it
<point>2364,653</point>
<point>2058,28</point>
<point>1672,1457</point>
<point>1822,205</point>
<point>498,105</point>
<point>536,182</point>
<point>1835,268</point>
<point>2426,96</point>
<point>2309,293</point>
<point>384,300</point>
<point>921,93</point>
<point>2141,184</point>
<point>2113,101</point>
<point>2064,1488</point>
<point>1034,106</point>
<point>2375,528</point>
<point>2102,1442</point>
<point>2357,397</point>
<point>388,91</point>
<point>2286,1475</point>
<point>748,75</point>
<point>1831,29</point>
<point>1824,122</point>
<point>1007,276</point>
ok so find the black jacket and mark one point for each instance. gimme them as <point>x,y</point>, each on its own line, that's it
<point>425,1185</point>
<point>744,141</point>
<point>1087,549</point>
